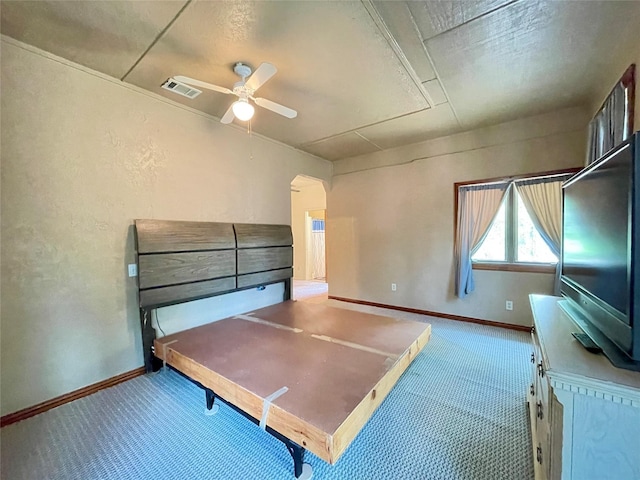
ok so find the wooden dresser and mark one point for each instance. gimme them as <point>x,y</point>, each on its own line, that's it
<point>584,413</point>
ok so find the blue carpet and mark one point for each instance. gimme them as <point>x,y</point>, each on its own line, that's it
<point>458,412</point>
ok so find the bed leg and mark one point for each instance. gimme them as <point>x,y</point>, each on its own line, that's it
<point>212,408</point>
<point>287,290</point>
<point>301,470</point>
<point>151,363</point>
<point>210,398</point>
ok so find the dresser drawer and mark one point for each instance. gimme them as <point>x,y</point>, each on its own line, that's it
<point>540,414</point>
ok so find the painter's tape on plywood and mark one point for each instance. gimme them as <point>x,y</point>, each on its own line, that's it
<point>267,404</point>
<point>354,345</point>
<point>268,323</point>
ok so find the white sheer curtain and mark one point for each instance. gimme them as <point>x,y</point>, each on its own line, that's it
<point>543,200</point>
<point>477,207</point>
<point>317,255</point>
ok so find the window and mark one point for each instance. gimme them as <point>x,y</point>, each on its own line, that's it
<point>512,237</point>
<point>317,225</point>
<point>495,231</point>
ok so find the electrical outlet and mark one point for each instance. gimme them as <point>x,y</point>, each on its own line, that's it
<point>394,287</point>
<point>133,270</point>
<point>509,305</point>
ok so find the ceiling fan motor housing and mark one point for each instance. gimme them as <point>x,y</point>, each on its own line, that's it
<point>242,69</point>
<point>241,90</point>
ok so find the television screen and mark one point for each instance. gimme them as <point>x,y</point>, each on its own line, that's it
<point>597,231</point>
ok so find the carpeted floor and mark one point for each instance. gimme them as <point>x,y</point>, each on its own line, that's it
<point>458,412</point>
<point>314,291</point>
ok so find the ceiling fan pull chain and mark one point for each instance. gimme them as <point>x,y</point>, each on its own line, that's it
<point>250,132</point>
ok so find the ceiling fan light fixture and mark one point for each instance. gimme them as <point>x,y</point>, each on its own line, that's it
<point>243,110</point>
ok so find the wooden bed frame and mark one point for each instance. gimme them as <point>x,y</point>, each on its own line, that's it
<point>310,375</point>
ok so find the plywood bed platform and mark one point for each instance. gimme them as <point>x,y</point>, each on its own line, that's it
<point>311,375</point>
<point>337,365</point>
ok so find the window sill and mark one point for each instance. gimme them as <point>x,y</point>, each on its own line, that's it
<point>516,267</point>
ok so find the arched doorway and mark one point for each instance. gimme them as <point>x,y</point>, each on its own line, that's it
<point>308,220</point>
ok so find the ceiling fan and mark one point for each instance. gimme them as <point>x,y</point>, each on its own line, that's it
<point>241,109</point>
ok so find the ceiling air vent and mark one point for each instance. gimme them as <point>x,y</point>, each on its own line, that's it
<point>181,88</point>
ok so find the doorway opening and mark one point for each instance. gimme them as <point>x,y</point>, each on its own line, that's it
<point>308,221</point>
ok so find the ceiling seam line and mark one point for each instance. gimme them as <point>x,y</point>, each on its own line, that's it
<point>367,140</point>
<point>482,15</point>
<point>391,41</point>
<point>155,40</point>
<point>423,42</point>
<point>444,90</point>
<point>428,157</point>
<point>433,63</point>
<point>354,130</point>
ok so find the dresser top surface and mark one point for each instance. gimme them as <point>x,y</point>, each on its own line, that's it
<point>563,354</point>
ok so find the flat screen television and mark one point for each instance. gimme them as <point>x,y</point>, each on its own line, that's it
<point>600,279</point>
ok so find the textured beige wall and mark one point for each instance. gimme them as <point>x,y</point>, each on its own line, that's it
<point>394,224</point>
<point>312,197</point>
<point>82,157</point>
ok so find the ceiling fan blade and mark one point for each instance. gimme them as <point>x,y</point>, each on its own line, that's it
<point>276,107</point>
<point>198,83</point>
<point>228,115</point>
<point>263,73</point>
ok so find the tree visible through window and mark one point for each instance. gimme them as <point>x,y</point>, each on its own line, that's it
<point>531,247</point>
<point>512,237</point>
<point>494,246</point>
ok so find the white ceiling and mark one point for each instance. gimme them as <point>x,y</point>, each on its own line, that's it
<point>363,75</point>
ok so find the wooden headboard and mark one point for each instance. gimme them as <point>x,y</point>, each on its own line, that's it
<point>183,261</point>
